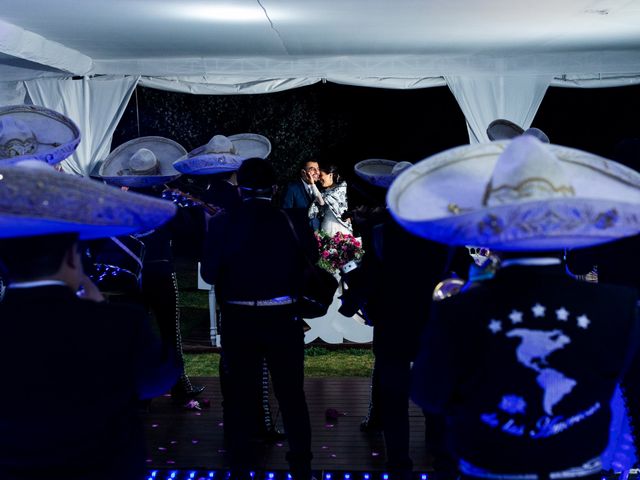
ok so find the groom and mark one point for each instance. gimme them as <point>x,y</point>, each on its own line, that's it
<point>298,193</point>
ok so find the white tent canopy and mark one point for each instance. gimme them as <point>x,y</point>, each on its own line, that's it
<point>497,56</point>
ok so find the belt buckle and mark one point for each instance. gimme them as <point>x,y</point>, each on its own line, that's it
<point>286,300</point>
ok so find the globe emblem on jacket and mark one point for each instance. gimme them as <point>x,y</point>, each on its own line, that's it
<point>532,351</point>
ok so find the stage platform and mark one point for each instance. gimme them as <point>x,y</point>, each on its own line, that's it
<point>190,443</point>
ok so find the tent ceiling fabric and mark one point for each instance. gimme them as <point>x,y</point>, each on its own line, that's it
<point>405,39</point>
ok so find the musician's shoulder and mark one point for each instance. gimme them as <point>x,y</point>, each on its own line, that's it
<point>297,214</point>
<point>115,310</point>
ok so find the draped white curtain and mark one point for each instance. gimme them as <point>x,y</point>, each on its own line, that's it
<point>233,85</point>
<point>398,83</point>
<point>484,98</point>
<point>596,80</point>
<point>224,85</point>
<point>96,105</point>
<point>12,93</point>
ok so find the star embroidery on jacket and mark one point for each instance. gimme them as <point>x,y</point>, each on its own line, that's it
<point>515,316</point>
<point>495,326</point>
<point>562,314</point>
<point>583,321</point>
<point>538,310</point>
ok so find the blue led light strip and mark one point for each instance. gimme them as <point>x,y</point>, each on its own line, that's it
<point>206,474</point>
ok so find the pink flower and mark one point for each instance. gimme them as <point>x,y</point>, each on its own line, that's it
<point>337,250</point>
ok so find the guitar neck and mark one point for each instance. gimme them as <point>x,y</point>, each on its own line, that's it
<point>183,199</point>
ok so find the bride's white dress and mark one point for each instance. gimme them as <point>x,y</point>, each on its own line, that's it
<point>331,225</point>
<point>335,327</point>
<point>329,214</point>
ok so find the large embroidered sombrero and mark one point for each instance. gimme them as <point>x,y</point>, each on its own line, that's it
<point>34,132</point>
<point>380,172</point>
<point>224,154</point>
<point>142,162</point>
<point>517,195</point>
<point>37,200</point>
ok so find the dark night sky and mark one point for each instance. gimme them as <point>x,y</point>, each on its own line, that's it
<point>347,124</point>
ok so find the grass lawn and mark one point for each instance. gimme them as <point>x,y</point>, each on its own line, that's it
<point>319,362</point>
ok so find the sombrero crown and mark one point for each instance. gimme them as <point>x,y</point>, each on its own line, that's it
<point>34,132</point>
<point>224,154</point>
<point>142,162</point>
<point>518,195</point>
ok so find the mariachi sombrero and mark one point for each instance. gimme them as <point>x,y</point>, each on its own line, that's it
<point>142,162</point>
<point>502,129</point>
<point>224,154</point>
<point>34,132</point>
<point>520,194</point>
<point>380,172</point>
<point>35,199</point>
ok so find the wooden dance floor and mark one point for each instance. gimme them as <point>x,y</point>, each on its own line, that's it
<point>186,440</point>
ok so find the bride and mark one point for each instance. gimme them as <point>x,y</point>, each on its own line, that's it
<point>331,202</point>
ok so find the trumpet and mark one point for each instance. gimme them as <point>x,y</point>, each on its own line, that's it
<point>447,288</point>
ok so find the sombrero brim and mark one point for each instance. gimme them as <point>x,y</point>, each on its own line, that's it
<point>165,150</point>
<point>138,181</point>
<point>251,145</point>
<point>441,198</point>
<point>376,171</point>
<point>246,145</point>
<point>57,135</point>
<point>208,163</point>
<point>502,129</point>
<point>41,202</point>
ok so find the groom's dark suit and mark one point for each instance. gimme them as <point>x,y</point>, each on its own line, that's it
<point>89,363</point>
<point>296,195</point>
<point>524,366</point>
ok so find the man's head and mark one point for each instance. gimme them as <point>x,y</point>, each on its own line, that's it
<point>256,177</point>
<point>42,257</point>
<point>310,171</point>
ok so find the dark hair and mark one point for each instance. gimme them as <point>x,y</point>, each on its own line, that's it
<point>331,168</point>
<point>28,258</point>
<point>303,163</point>
<point>256,175</point>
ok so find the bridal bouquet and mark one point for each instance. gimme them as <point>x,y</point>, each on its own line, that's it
<point>338,251</point>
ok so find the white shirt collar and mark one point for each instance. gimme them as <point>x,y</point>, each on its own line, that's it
<point>307,186</point>
<point>37,283</point>
<point>530,261</point>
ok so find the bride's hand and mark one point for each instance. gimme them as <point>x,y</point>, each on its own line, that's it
<point>307,177</point>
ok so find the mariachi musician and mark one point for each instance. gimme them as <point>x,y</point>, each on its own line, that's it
<point>144,165</point>
<point>525,364</point>
<point>217,162</point>
<point>580,264</point>
<point>33,132</point>
<point>389,288</point>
